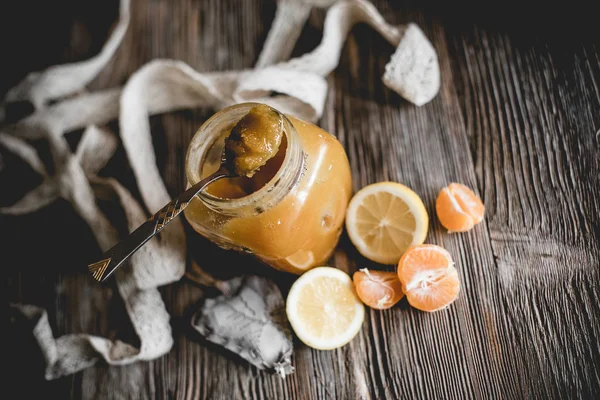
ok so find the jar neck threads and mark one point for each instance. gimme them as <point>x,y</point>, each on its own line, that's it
<point>264,198</point>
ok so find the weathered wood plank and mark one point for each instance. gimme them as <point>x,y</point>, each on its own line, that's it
<point>532,112</point>
<point>516,119</point>
<point>424,148</point>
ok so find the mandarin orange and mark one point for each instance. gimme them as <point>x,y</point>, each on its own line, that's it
<point>458,208</point>
<point>378,289</point>
<point>429,279</point>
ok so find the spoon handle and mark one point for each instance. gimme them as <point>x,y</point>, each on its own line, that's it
<point>119,253</point>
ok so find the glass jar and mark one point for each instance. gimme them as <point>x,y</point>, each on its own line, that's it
<point>292,215</point>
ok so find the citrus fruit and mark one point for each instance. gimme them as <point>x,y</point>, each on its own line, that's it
<point>384,219</point>
<point>458,208</point>
<point>428,277</point>
<point>378,289</point>
<point>302,259</point>
<point>323,308</point>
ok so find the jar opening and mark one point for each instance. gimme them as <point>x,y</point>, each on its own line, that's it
<point>245,196</point>
<point>240,186</point>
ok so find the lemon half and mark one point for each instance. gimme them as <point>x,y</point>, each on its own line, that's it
<point>384,219</point>
<point>323,308</point>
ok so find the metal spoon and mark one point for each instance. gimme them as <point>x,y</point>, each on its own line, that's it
<point>120,252</point>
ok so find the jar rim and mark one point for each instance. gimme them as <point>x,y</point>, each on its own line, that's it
<point>206,136</point>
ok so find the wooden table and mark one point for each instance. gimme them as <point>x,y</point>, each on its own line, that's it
<point>517,118</point>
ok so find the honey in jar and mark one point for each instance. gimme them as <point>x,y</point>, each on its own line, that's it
<point>288,213</point>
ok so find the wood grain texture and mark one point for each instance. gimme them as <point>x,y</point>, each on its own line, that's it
<point>517,119</point>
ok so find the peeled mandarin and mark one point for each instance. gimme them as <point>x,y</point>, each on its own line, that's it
<point>458,208</point>
<point>378,289</point>
<point>429,279</point>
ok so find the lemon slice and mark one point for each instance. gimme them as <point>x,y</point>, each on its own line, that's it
<point>384,219</point>
<point>302,259</point>
<point>323,308</point>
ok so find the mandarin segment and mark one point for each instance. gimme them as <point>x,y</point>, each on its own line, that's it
<point>429,278</point>
<point>378,289</point>
<point>458,208</point>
